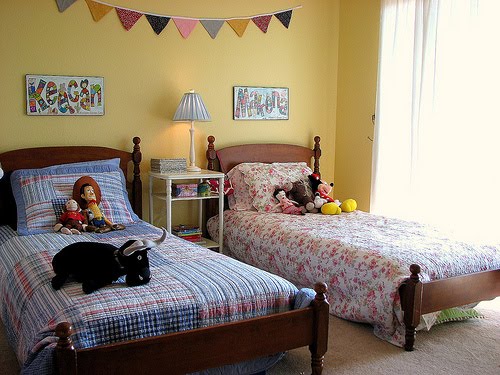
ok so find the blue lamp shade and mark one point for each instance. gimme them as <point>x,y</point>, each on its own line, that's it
<point>191,108</point>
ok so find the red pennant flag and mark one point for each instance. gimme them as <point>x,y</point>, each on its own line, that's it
<point>128,17</point>
<point>262,22</point>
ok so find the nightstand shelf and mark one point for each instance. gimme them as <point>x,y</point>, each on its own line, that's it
<point>163,196</point>
<point>167,196</point>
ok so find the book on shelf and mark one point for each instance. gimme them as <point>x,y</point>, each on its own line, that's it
<point>183,228</point>
<point>188,232</point>
<point>193,237</point>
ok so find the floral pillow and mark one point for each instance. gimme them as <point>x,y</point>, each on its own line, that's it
<point>240,200</point>
<point>262,180</point>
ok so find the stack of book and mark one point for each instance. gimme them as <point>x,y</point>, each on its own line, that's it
<point>168,165</point>
<point>190,233</point>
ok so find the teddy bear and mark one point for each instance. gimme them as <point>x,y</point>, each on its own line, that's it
<point>72,220</point>
<point>301,192</point>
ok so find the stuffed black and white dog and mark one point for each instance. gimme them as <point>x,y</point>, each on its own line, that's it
<point>97,264</point>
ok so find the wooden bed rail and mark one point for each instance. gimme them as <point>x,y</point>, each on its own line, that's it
<point>418,298</point>
<point>202,348</point>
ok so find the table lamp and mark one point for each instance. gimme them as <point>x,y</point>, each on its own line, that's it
<point>191,108</point>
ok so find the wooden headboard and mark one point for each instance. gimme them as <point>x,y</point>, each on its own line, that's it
<point>41,157</point>
<point>228,157</point>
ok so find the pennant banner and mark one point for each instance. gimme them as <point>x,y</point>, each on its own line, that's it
<point>157,23</point>
<point>262,22</point>
<point>185,25</point>
<point>285,17</point>
<point>128,17</point>
<point>64,4</point>
<point>212,27</point>
<point>98,10</point>
<point>239,26</point>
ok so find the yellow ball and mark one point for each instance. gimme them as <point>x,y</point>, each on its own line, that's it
<point>330,208</point>
<point>349,205</point>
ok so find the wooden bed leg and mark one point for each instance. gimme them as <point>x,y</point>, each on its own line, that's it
<point>321,320</point>
<point>411,302</point>
<point>65,351</point>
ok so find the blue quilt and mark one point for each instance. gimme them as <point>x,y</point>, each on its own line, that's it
<point>191,287</point>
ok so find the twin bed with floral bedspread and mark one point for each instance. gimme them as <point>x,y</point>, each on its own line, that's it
<point>364,258</point>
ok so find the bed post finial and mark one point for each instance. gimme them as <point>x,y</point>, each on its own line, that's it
<point>65,351</point>
<point>136,182</point>
<point>317,154</point>
<point>321,319</point>
<point>211,155</point>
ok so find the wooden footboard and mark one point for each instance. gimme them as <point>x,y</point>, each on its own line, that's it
<point>198,349</point>
<point>418,298</point>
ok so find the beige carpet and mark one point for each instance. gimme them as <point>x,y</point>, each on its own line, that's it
<point>468,347</point>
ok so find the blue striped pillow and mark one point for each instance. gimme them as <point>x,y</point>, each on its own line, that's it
<point>36,190</point>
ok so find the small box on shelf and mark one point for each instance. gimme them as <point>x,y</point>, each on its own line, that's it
<point>184,190</point>
<point>178,165</point>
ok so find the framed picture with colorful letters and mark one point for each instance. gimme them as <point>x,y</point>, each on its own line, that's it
<point>64,95</point>
<point>260,103</point>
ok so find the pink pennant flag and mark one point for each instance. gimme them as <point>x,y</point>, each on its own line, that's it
<point>262,22</point>
<point>185,26</point>
<point>128,17</point>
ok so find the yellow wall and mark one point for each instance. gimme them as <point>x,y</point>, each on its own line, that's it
<point>145,75</point>
<point>357,79</point>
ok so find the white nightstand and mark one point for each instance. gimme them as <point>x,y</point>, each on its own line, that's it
<point>167,196</point>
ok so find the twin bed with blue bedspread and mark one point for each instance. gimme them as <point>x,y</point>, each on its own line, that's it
<point>200,309</point>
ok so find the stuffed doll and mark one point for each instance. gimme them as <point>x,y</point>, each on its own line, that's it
<point>331,208</point>
<point>72,221</point>
<point>349,205</point>
<point>87,191</point>
<point>287,206</point>
<point>319,202</point>
<point>321,187</point>
<point>301,192</point>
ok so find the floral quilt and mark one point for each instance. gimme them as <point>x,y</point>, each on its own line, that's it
<point>362,257</point>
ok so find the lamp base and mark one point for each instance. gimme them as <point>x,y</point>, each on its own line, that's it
<point>193,168</point>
